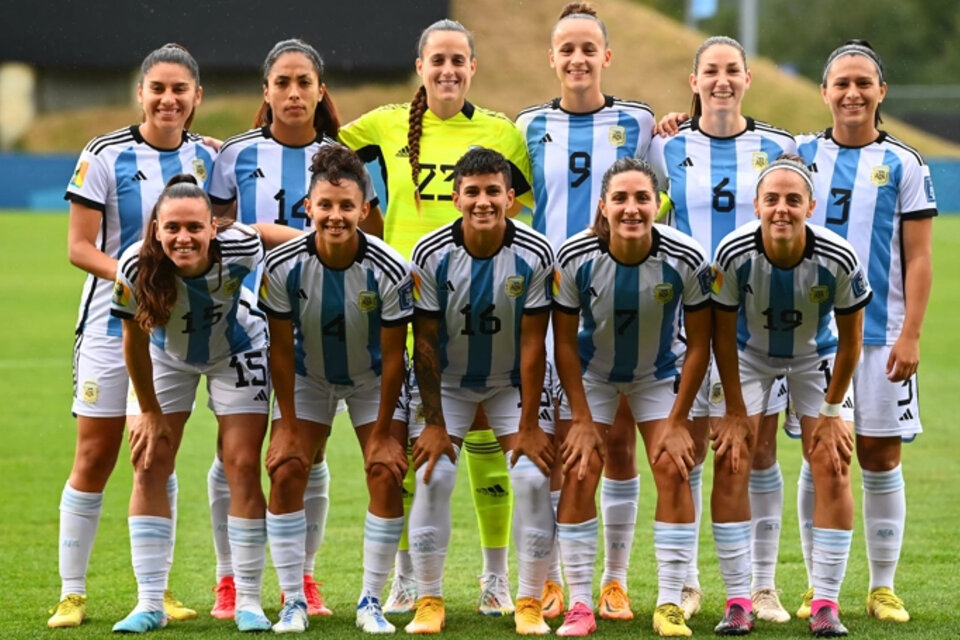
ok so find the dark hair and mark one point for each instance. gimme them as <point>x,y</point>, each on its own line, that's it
<point>480,161</point>
<point>334,163</point>
<point>581,11</point>
<point>601,227</point>
<point>696,106</point>
<point>156,287</point>
<point>326,120</point>
<point>857,47</point>
<point>418,106</point>
<point>790,162</point>
<point>174,54</point>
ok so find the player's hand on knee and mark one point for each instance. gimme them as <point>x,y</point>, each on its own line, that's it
<point>433,443</point>
<point>386,451</point>
<point>583,439</point>
<point>536,445</point>
<point>286,444</point>
<point>147,432</point>
<point>832,435</point>
<point>678,445</point>
<point>733,437</point>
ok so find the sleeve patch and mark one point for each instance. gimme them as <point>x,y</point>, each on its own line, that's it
<point>80,174</point>
<point>859,284</point>
<point>405,294</point>
<point>928,189</point>
<point>121,294</point>
<point>705,278</point>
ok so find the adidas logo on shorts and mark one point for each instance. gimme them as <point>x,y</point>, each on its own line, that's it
<point>262,396</point>
<point>906,415</point>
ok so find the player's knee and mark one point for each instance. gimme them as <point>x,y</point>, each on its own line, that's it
<point>765,455</point>
<point>878,454</point>
<point>666,474</point>
<point>379,478</point>
<point>290,474</point>
<point>528,481</point>
<point>823,469</point>
<point>441,482</point>
<point>94,463</point>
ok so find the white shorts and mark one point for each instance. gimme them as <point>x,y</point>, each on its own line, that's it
<point>317,400</point>
<point>710,396</point>
<point>884,408</point>
<point>100,379</point>
<point>807,377</point>
<point>236,385</point>
<point>649,399</point>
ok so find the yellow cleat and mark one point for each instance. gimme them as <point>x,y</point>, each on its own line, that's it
<point>69,612</point>
<point>552,600</point>
<point>883,604</point>
<point>430,616</point>
<point>669,622</point>
<point>803,613</point>
<point>529,618</point>
<point>614,604</point>
<point>175,609</point>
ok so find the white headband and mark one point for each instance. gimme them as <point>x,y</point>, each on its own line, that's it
<point>790,166</point>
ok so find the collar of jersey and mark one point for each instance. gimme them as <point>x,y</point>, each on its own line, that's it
<point>695,126</point>
<point>269,136</point>
<point>654,247</point>
<point>807,250</point>
<point>135,132</point>
<point>607,103</point>
<point>468,110</point>
<point>361,250</point>
<point>828,133</point>
<point>457,231</point>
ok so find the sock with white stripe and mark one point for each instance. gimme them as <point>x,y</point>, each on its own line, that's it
<point>316,504</point>
<point>673,544</point>
<point>149,549</point>
<point>533,526</point>
<point>696,490</point>
<point>578,551</point>
<point>248,539</point>
<point>884,515</point>
<point>287,533</point>
<point>381,536</point>
<point>831,548</point>
<point>618,504</point>
<point>766,513</point>
<point>733,555</point>
<point>79,519</point>
<point>805,517</point>
<point>554,573</point>
<point>218,493</point>
<point>173,491</point>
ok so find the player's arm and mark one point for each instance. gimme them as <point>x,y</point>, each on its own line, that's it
<point>531,439</point>
<point>82,232</point>
<point>918,279</point>
<point>274,235</point>
<point>434,440</point>
<point>382,447</point>
<point>150,428</point>
<point>734,429</point>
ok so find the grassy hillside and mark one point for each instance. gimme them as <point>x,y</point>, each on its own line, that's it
<point>652,60</point>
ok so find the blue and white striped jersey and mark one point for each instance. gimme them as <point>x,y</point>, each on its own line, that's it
<point>788,313</point>
<point>630,314</point>
<point>121,175</point>
<point>481,301</point>
<point>712,181</point>
<point>569,153</point>
<point>865,194</point>
<point>214,316</point>
<point>337,314</point>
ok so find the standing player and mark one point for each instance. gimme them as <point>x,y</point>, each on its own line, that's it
<point>417,145</point>
<point>339,301</point>
<point>185,314</point>
<point>876,191</point>
<point>266,172</point>
<point>572,140</point>
<point>622,290</point>
<point>710,167</point>
<point>482,295</point>
<point>789,301</point>
<point>116,182</point>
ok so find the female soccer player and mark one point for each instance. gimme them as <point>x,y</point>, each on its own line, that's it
<point>710,168</point>
<point>789,301</point>
<point>338,302</point>
<point>482,295</point>
<point>876,191</point>
<point>116,182</point>
<point>185,313</point>
<point>572,140</point>
<point>266,172</point>
<point>417,145</point>
<point>620,288</point>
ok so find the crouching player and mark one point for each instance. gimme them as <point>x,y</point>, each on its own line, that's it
<point>482,296</point>
<point>789,301</point>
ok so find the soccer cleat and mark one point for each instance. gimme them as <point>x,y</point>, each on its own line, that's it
<point>803,612</point>
<point>69,612</point>
<point>430,616</point>
<point>403,596</point>
<point>315,606</point>
<point>614,603</point>
<point>669,622</point>
<point>826,624</point>
<point>767,606</point>
<point>690,599</point>
<point>141,622</point>
<point>529,618</point>
<point>370,617</point>
<point>494,595</point>
<point>578,621</point>
<point>552,600</point>
<point>251,621</point>
<point>883,604</point>
<point>736,622</point>
<point>293,618</point>
<point>225,604</point>
<point>175,609</point>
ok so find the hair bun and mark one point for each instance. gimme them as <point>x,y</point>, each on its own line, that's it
<point>183,178</point>
<point>573,8</point>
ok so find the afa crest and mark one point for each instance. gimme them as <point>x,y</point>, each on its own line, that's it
<point>663,292</point>
<point>90,392</point>
<point>367,301</point>
<point>232,285</point>
<point>617,136</point>
<point>515,286</point>
<point>716,393</point>
<point>760,160</point>
<point>200,169</point>
<point>819,294</point>
<point>880,175</point>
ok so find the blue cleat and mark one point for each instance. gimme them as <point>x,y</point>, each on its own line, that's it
<point>251,621</point>
<point>370,617</point>
<point>141,622</point>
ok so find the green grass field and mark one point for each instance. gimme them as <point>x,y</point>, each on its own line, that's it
<point>40,293</point>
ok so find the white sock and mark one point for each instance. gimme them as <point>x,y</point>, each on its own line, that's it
<point>404,564</point>
<point>578,551</point>
<point>248,539</point>
<point>286,533</point>
<point>173,490</point>
<point>554,573</point>
<point>673,544</point>
<point>79,518</point>
<point>766,513</point>
<point>149,550</point>
<point>618,505</point>
<point>218,492</point>
<point>884,515</point>
<point>733,555</point>
<point>429,526</point>
<point>831,548</point>
<point>533,526</point>
<point>316,503</point>
<point>805,517</point>
<point>696,490</point>
<point>495,560</point>
<point>381,536</point>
